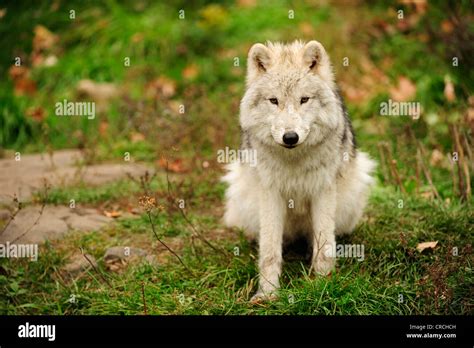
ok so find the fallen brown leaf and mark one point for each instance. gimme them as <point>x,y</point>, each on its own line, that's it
<point>175,166</point>
<point>22,83</point>
<point>161,87</point>
<point>137,137</point>
<point>449,92</point>
<point>43,39</point>
<point>353,94</point>
<point>247,3</point>
<point>17,72</point>
<point>404,91</point>
<point>134,211</point>
<point>112,214</point>
<point>36,113</point>
<point>190,72</point>
<point>436,158</point>
<point>447,26</point>
<point>115,265</point>
<point>98,91</point>
<point>306,29</point>
<point>25,86</point>
<point>138,37</point>
<point>420,5</point>
<point>426,245</point>
<point>427,195</point>
<point>103,128</point>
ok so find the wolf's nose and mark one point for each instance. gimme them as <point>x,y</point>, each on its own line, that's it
<point>290,138</point>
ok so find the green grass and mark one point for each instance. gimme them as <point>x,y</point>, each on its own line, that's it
<point>197,192</point>
<point>90,195</point>
<point>93,47</point>
<point>221,283</point>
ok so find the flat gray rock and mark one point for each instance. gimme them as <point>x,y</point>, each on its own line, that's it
<point>123,253</point>
<point>28,175</point>
<point>32,226</point>
<point>61,169</point>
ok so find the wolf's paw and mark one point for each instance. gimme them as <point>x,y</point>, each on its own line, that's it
<point>261,297</point>
<point>323,265</point>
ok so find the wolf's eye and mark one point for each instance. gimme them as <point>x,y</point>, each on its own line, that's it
<point>304,100</point>
<point>273,101</point>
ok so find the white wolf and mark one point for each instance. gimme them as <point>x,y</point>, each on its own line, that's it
<point>310,180</point>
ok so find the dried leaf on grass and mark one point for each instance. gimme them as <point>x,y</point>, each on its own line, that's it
<point>404,91</point>
<point>426,245</point>
<point>175,166</point>
<point>112,214</point>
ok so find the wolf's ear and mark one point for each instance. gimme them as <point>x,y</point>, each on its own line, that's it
<point>314,55</point>
<point>258,60</point>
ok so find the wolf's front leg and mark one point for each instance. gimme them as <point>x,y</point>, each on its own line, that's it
<point>323,212</point>
<point>272,216</point>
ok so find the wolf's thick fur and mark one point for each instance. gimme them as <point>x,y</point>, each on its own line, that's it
<point>317,187</point>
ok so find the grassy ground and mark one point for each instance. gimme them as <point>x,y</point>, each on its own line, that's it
<point>394,278</point>
<point>191,62</point>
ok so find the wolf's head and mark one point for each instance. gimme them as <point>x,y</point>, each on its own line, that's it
<point>290,99</point>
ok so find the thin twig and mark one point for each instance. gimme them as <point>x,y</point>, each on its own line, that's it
<point>200,236</point>
<point>462,167</point>
<point>453,174</point>
<point>13,215</point>
<point>145,310</point>
<point>164,244</point>
<point>60,278</point>
<point>419,153</point>
<point>95,268</point>
<point>144,182</point>
<point>385,172</point>
<point>197,233</point>
<point>393,166</point>
<point>315,257</point>
<point>34,224</point>
<point>468,150</point>
<point>44,199</point>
